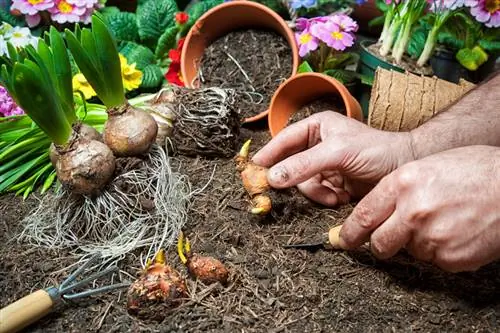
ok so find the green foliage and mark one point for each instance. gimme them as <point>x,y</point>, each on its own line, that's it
<point>6,16</point>
<point>96,54</point>
<point>153,18</point>
<point>490,40</point>
<point>417,41</point>
<point>472,58</point>
<point>138,54</point>
<point>109,10</point>
<point>305,67</point>
<point>152,77</point>
<point>197,10</point>
<point>340,60</point>
<point>342,75</point>
<point>275,5</point>
<point>167,41</point>
<point>123,25</point>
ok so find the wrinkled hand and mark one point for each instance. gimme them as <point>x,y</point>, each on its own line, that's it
<point>332,158</point>
<point>442,209</point>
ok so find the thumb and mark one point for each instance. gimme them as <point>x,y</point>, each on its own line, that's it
<point>302,166</point>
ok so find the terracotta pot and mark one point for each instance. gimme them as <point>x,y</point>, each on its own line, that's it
<point>223,19</point>
<point>302,89</point>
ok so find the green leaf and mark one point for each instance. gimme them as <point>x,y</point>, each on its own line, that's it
<point>48,182</point>
<point>40,103</point>
<point>417,41</point>
<point>197,10</point>
<point>472,58</point>
<point>366,79</point>
<point>490,45</point>
<point>153,18</point>
<point>305,68</point>
<point>341,60</point>
<point>109,10</point>
<point>123,25</point>
<point>6,16</point>
<point>376,22</point>
<point>166,42</point>
<point>11,177</point>
<point>63,74</point>
<point>342,75</point>
<point>107,53</point>
<point>138,54</point>
<point>152,77</point>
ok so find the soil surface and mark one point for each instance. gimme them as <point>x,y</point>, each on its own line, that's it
<point>253,62</point>
<point>408,64</point>
<point>328,103</point>
<point>271,289</point>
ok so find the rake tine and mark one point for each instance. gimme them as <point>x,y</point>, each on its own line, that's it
<point>78,271</point>
<point>95,291</point>
<point>89,279</point>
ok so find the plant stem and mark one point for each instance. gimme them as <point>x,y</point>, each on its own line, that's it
<point>389,38</point>
<point>402,42</point>
<point>387,24</point>
<point>430,43</point>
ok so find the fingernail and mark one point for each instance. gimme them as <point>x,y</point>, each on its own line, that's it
<point>278,175</point>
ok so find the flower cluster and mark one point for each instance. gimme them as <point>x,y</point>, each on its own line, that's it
<point>7,105</point>
<point>336,31</point>
<point>61,11</point>
<point>173,74</point>
<point>131,77</point>
<point>17,36</point>
<point>485,11</point>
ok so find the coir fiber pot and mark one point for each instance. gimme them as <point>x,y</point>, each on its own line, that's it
<point>368,64</point>
<point>302,89</point>
<point>223,19</point>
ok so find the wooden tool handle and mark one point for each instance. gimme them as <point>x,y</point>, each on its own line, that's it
<point>334,237</point>
<point>25,311</point>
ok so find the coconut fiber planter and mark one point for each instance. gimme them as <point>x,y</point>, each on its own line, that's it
<point>368,64</point>
<point>302,89</point>
<point>402,102</point>
<point>225,18</point>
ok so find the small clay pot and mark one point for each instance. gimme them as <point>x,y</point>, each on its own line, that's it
<point>223,19</point>
<point>302,89</point>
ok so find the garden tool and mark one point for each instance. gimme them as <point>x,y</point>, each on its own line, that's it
<point>33,307</point>
<point>326,241</point>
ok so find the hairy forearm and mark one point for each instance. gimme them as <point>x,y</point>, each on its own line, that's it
<point>473,120</point>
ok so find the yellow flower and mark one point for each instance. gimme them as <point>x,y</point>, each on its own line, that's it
<point>131,76</point>
<point>80,83</point>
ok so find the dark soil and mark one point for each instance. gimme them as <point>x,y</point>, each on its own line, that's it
<point>253,62</point>
<point>408,64</point>
<point>329,103</point>
<point>271,289</point>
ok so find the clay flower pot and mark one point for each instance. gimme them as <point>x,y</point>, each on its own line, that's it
<point>302,89</point>
<point>223,19</point>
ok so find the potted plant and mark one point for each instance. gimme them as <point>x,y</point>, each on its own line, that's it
<point>413,32</point>
<point>323,42</point>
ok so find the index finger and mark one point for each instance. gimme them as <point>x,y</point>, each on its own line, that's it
<point>376,207</point>
<point>292,139</point>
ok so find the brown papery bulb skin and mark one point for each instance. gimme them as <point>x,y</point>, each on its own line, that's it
<point>130,133</point>
<point>90,133</point>
<point>86,167</point>
<point>207,269</point>
<point>85,131</point>
<point>158,289</point>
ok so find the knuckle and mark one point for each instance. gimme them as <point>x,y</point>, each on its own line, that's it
<point>364,216</point>
<point>407,176</point>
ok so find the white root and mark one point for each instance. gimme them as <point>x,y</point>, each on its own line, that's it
<point>144,208</point>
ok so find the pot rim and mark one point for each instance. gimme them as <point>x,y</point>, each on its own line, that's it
<point>286,32</point>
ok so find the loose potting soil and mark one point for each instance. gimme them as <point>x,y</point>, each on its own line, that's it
<point>271,289</point>
<point>253,62</point>
<point>328,103</point>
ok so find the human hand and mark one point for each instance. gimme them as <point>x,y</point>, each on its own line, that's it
<point>332,158</point>
<point>442,209</point>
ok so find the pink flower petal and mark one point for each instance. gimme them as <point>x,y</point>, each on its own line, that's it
<point>33,20</point>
